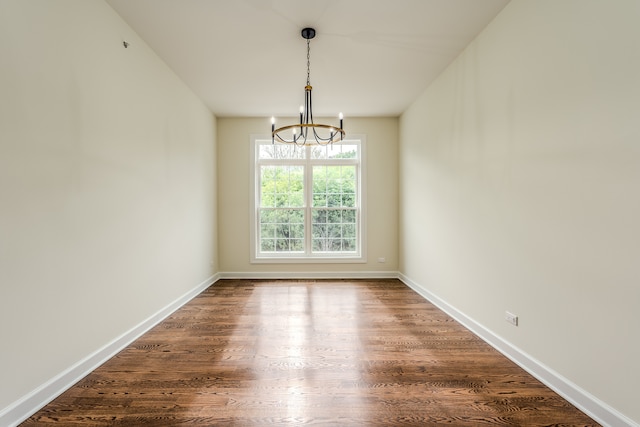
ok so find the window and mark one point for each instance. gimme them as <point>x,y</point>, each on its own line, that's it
<point>307,202</point>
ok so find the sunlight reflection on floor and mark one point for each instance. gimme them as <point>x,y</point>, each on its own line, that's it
<point>322,349</point>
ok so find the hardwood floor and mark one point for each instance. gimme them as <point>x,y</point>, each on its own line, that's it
<point>330,353</point>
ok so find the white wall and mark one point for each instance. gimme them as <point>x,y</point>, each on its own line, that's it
<point>519,188</point>
<point>107,187</point>
<point>234,192</point>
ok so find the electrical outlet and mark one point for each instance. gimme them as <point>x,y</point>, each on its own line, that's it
<point>382,259</point>
<point>511,318</point>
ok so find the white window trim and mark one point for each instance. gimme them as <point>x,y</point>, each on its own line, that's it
<point>288,258</point>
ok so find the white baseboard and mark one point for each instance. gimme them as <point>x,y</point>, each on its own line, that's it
<point>583,400</point>
<point>23,408</point>
<point>310,275</point>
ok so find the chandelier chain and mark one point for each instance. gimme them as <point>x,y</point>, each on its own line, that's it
<point>308,62</point>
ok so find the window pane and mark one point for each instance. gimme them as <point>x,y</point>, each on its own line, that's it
<point>319,200</point>
<point>349,186</point>
<point>267,245</point>
<point>349,245</point>
<point>319,216</point>
<point>334,231</point>
<point>333,200</point>
<point>349,216</point>
<point>334,216</point>
<point>296,231</point>
<point>348,200</point>
<point>281,216</point>
<point>282,231</point>
<point>282,245</point>
<point>267,230</point>
<point>319,231</point>
<point>297,245</point>
<point>317,245</point>
<point>335,151</point>
<point>296,216</point>
<point>280,151</point>
<point>267,216</point>
<point>349,231</point>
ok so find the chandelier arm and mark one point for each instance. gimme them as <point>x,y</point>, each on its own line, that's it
<point>308,116</point>
<point>321,140</point>
<point>310,107</point>
<point>332,137</point>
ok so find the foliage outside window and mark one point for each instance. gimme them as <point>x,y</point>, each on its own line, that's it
<point>308,202</point>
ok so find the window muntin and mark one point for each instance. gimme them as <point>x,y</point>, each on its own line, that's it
<point>308,202</point>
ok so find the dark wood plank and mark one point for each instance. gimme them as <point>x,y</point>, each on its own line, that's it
<point>309,352</point>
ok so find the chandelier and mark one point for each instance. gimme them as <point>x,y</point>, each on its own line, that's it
<point>307,132</point>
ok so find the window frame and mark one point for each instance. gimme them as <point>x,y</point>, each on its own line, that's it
<point>359,256</point>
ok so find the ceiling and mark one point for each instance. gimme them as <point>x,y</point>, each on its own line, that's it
<point>247,58</point>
